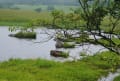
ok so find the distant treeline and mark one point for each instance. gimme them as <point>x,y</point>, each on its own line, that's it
<point>37,2</point>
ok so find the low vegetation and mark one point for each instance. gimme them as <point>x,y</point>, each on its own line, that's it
<point>117,78</point>
<point>89,69</point>
<point>28,35</point>
<point>68,45</point>
<point>99,19</point>
<point>64,54</point>
<point>10,17</point>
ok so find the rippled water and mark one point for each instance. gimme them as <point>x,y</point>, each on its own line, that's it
<point>11,47</point>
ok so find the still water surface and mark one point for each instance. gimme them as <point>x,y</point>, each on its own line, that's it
<point>11,47</point>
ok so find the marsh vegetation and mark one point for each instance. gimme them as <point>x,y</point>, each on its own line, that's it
<point>56,43</point>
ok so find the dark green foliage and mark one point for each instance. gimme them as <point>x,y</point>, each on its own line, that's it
<point>65,21</point>
<point>95,13</point>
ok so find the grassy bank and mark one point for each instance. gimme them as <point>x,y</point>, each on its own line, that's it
<point>88,69</point>
<point>117,78</point>
<point>12,23</point>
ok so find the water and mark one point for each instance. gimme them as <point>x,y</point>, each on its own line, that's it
<point>11,47</point>
<point>111,76</point>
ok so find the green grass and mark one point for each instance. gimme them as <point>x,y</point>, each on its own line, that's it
<point>88,69</point>
<point>12,23</point>
<point>117,78</point>
<point>20,17</point>
<point>26,13</point>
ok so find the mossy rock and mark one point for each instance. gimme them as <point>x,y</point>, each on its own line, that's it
<point>24,35</point>
<point>65,45</point>
<point>68,45</point>
<point>59,54</point>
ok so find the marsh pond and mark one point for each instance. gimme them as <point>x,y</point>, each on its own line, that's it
<point>11,47</point>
